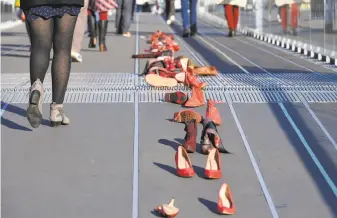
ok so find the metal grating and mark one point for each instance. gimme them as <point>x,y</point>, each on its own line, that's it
<point>263,97</point>
<point>79,97</point>
<point>240,88</point>
<point>320,97</point>
<point>11,80</point>
<point>114,81</point>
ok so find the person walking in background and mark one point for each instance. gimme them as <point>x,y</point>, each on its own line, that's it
<point>232,11</point>
<point>284,6</point>
<point>169,11</point>
<point>123,17</point>
<point>79,33</point>
<point>22,17</point>
<point>102,7</point>
<point>92,29</point>
<point>189,19</point>
<point>133,9</point>
<point>51,23</point>
<point>270,8</point>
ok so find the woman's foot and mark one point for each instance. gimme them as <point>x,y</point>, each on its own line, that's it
<point>34,110</point>
<point>170,20</point>
<point>231,33</point>
<point>57,115</point>
<point>186,33</point>
<point>92,42</point>
<point>102,47</point>
<point>127,34</point>
<point>194,30</point>
<point>294,32</point>
<point>76,57</point>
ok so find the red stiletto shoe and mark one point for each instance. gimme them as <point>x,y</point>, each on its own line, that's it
<point>167,210</point>
<point>225,201</point>
<point>213,165</point>
<point>183,163</point>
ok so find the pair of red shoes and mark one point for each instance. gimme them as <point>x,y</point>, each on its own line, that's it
<point>185,168</point>
<point>212,171</point>
<point>225,204</point>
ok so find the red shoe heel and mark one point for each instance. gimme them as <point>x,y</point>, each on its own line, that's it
<point>213,165</point>
<point>225,201</point>
<point>183,163</point>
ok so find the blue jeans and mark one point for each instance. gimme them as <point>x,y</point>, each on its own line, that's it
<point>189,19</point>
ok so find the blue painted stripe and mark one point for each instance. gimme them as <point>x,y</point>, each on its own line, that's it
<point>3,109</point>
<point>309,150</point>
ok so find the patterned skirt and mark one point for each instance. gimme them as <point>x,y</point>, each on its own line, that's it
<point>47,12</point>
<point>102,5</point>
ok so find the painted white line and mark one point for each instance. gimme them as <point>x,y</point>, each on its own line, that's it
<point>285,112</point>
<point>309,150</point>
<point>223,54</point>
<point>252,159</point>
<point>244,138</point>
<point>275,55</point>
<point>135,181</point>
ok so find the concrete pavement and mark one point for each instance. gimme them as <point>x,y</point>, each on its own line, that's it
<point>117,157</point>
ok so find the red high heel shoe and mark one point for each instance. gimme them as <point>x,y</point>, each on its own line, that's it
<point>225,201</point>
<point>183,163</point>
<point>213,165</point>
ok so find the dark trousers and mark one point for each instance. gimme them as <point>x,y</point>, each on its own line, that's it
<point>123,15</point>
<point>169,8</point>
<point>133,9</point>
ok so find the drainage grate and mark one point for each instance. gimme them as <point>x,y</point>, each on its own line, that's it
<point>7,97</point>
<point>10,80</point>
<point>76,80</point>
<point>320,97</point>
<point>263,97</point>
<point>307,79</point>
<point>78,97</point>
<point>241,88</point>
